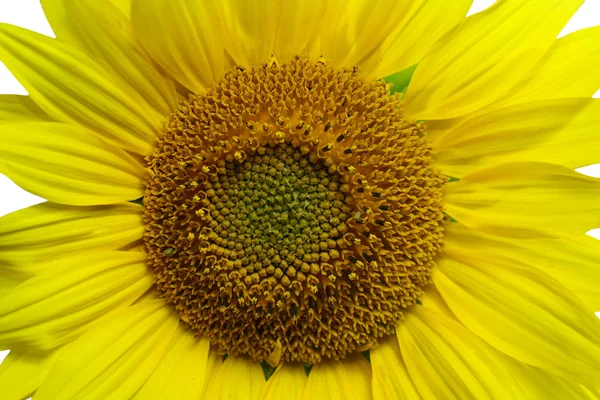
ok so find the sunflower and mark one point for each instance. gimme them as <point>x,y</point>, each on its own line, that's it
<point>301,200</point>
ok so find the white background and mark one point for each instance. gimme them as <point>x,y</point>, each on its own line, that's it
<point>28,14</point>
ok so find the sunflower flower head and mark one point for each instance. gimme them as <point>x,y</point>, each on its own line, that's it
<point>301,200</point>
<point>293,204</point>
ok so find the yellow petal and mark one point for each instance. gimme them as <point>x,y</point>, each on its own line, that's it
<point>56,13</point>
<point>446,361</point>
<point>215,360</point>
<point>351,30</point>
<point>439,128</point>
<point>298,23</point>
<point>9,280</point>
<point>577,265</point>
<point>124,6</point>
<point>183,37</point>
<point>250,29</point>
<point>569,69</point>
<point>182,372</point>
<point>521,311</point>
<point>68,164</point>
<point>105,32</point>
<point>566,71</point>
<point>534,383</point>
<point>286,383</point>
<point>17,108</point>
<point>485,57</point>
<point>21,373</point>
<point>592,392</point>
<point>390,376</point>
<point>526,200</point>
<point>433,300</point>
<point>560,131</point>
<point>59,304</point>
<point>114,360</point>
<point>48,231</point>
<point>541,385</point>
<point>415,34</point>
<point>313,50</point>
<point>236,378</point>
<point>571,261</point>
<point>71,87</point>
<point>349,379</point>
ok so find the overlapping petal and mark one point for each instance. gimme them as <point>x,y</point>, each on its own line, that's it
<point>571,261</point>
<point>533,383</point>
<point>485,57</point>
<point>14,107</point>
<point>568,70</point>
<point>32,236</point>
<point>9,280</point>
<point>351,30</point>
<point>104,31</point>
<point>124,6</point>
<point>115,359</point>
<point>183,371</point>
<point>560,131</point>
<point>298,23</point>
<point>59,304</point>
<point>538,384</point>
<point>446,361</point>
<point>287,382</point>
<point>71,87</point>
<point>526,200</point>
<point>22,372</point>
<point>520,310</point>
<point>250,29</point>
<point>349,379</point>
<point>390,376</point>
<point>183,37</point>
<point>68,164</point>
<point>225,382</point>
<point>592,392</point>
<point>420,27</point>
<point>253,32</point>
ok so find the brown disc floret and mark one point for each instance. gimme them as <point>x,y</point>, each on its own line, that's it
<point>292,207</point>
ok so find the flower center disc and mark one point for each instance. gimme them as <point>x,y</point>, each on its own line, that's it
<point>292,205</point>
